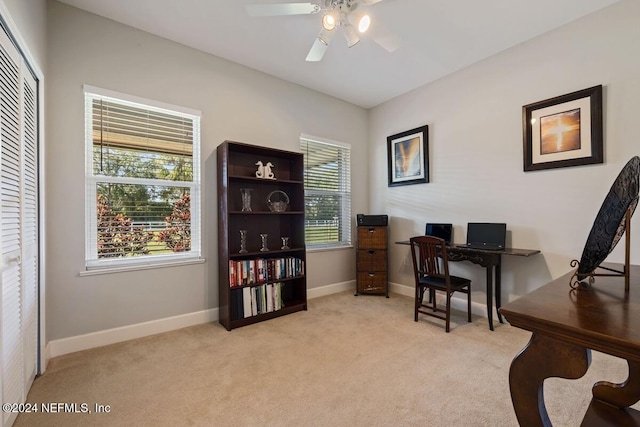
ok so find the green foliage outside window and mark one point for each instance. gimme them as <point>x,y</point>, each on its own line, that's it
<point>117,236</point>
<point>121,206</point>
<point>177,235</point>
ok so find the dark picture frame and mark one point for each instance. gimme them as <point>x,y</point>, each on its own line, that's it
<point>564,131</point>
<point>408,157</point>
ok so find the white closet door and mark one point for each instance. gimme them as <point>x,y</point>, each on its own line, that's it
<point>18,227</point>
<point>29,217</point>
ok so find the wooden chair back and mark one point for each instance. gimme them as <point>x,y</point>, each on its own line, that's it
<point>429,254</point>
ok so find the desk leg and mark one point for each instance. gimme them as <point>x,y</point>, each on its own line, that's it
<point>620,395</point>
<point>490,295</point>
<point>542,358</point>
<point>499,289</point>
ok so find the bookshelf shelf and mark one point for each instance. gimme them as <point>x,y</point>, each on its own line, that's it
<point>268,293</point>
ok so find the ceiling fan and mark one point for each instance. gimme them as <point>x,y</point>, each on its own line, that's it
<point>342,14</point>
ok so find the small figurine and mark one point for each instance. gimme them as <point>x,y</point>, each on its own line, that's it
<point>260,171</point>
<point>268,173</point>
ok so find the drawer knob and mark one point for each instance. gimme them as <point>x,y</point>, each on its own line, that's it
<point>371,252</point>
<point>371,230</point>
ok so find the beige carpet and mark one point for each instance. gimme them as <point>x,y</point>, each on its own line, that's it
<point>347,361</point>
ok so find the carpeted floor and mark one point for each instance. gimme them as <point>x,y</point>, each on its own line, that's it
<point>347,361</point>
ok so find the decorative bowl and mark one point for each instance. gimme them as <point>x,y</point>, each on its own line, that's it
<point>277,201</point>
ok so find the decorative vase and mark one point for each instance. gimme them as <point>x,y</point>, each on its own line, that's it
<point>264,247</point>
<point>246,199</point>
<point>285,243</point>
<point>243,242</point>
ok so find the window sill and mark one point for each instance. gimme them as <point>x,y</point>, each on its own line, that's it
<point>329,248</point>
<point>120,269</point>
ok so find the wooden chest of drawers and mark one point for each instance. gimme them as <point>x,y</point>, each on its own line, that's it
<point>371,261</point>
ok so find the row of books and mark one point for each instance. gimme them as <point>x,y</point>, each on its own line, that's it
<point>254,300</point>
<point>262,270</point>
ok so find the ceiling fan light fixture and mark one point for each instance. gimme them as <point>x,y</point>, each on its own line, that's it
<point>363,23</point>
<point>350,34</point>
<point>325,36</point>
<point>328,22</point>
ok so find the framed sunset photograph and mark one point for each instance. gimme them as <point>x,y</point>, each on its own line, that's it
<point>408,157</point>
<point>563,131</point>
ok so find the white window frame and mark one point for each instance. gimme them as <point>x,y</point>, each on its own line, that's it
<point>345,214</point>
<point>95,265</point>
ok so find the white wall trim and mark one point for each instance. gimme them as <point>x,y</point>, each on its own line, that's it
<point>331,289</point>
<point>457,303</point>
<point>129,332</point>
<point>111,336</point>
<point>68,345</point>
<point>146,103</point>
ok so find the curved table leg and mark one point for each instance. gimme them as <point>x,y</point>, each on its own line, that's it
<point>542,358</point>
<point>620,395</point>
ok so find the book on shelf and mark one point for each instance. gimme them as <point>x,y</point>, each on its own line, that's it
<point>246,306</point>
<point>261,270</point>
<point>270,306</point>
<point>237,304</point>
<point>254,300</point>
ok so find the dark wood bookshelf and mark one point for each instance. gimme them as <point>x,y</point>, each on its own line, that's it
<point>236,162</point>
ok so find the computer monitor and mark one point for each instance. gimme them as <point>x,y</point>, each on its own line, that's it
<point>486,235</point>
<point>443,231</point>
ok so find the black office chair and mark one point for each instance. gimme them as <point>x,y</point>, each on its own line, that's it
<point>431,271</point>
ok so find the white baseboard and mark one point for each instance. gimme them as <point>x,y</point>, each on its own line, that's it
<point>331,289</point>
<point>457,303</point>
<point>111,336</point>
<point>407,291</point>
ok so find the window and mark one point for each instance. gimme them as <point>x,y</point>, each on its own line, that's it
<point>142,181</point>
<point>327,193</point>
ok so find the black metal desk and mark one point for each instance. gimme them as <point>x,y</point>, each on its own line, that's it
<point>491,260</point>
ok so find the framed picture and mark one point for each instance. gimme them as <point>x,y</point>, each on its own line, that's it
<point>408,157</point>
<point>563,131</point>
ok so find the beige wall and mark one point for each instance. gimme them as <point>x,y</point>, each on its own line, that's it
<point>475,152</point>
<point>237,103</point>
<point>475,147</point>
<point>30,20</point>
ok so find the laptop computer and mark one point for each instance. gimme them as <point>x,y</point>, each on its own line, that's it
<point>486,235</point>
<point>443,231</point>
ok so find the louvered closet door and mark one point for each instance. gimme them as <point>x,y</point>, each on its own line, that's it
<point>29,228</point>
<point>18,227</point>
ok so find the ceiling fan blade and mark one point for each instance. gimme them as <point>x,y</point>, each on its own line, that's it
<point>388,40</point>
<point>369,2</point>
<point>282,9</point>
<point>317,51</point>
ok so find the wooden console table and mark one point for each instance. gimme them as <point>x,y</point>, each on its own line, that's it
<point>491,261</point>
<point>566,324</point>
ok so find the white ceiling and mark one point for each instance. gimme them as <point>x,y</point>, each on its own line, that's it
<point>438,37</point>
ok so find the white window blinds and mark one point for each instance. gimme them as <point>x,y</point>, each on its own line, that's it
<point>327,187</point>
<point>143,181</point>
